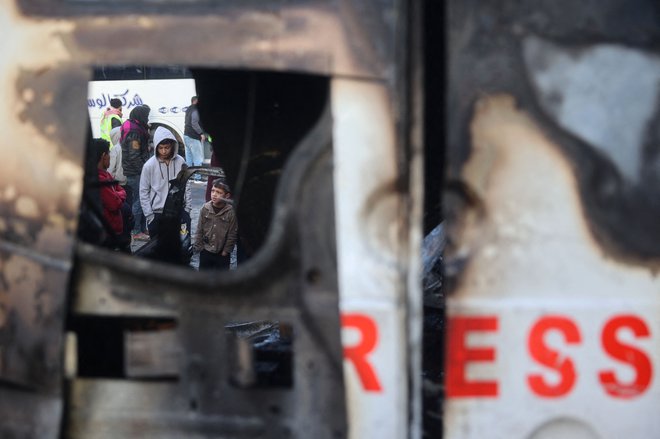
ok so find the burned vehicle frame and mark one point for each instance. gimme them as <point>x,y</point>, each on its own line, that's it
<point>208,370</point>
<point>177,378</point>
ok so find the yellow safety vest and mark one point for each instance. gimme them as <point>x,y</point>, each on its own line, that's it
<point>106,126</point>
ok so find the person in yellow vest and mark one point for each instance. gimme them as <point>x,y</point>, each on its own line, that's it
<point>111,118</point>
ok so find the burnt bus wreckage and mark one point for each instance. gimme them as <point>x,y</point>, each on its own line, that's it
<point>153,349</point>
<point>336,123</point>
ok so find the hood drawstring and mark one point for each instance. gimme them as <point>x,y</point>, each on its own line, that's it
<point>167,166</point>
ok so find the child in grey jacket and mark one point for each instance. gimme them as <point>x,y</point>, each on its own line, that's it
<point>217,229</point>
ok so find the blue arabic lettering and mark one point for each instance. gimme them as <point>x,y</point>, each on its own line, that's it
<point>122,96</point>
<point>101,102</point>
<point>137,100</point>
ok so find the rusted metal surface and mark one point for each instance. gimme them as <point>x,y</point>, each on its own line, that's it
<point>359,37</point>
<point>551,219</point>
<point>40,185</point>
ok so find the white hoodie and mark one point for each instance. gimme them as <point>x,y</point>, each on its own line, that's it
<point>156,175</point>
<point>115,168</point>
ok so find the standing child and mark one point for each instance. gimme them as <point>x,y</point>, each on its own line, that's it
<point>217,229</point>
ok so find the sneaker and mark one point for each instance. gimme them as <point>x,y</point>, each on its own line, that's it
<point>140,236</point>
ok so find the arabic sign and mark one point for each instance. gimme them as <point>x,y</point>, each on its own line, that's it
<point>102,101</point>
<point>128,100</point>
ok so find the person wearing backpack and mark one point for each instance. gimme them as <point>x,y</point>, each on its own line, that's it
<point>134,154</point>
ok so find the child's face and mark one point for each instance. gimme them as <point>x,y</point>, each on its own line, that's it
<point>105,160</point>
<point>218,196</point>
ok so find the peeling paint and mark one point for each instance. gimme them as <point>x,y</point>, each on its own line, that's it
<point>533,218</point>
<point>531,253</point>
<point>605,94</point>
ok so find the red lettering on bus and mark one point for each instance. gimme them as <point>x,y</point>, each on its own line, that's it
<point>358,353</point>
<point>459,355</point>
<point>550,358</point>
<point>626,354</point>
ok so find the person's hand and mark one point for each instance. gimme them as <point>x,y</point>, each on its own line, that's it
<point>225,254</point>
<point>203,137</point>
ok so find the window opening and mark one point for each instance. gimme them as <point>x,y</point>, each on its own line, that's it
<point>125,347</point>
<point>250,121</point>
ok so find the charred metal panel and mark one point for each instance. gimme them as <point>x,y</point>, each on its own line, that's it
<point>40,184</point>
<point>608,96</point>
<point>374,264</point>
<point>275,285</point>
<point>359,37</point>
<point>552,218</point>
<point>49,53</point>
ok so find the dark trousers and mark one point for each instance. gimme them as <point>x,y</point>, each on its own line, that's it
<point>125,237</point>
<point>133,182</point>
<point>122,241</point>
<point>208,260</point>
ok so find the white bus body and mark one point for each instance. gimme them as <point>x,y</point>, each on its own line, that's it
<point>167,98</point>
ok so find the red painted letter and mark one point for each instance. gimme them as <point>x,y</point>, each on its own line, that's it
<point>358,353</point>
<point>626,354</point>
<point>459,355</point>
<point>547,357</point>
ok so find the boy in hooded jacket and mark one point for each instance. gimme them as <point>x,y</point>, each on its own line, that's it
<point>217,229</point>
<point>157,172</point>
